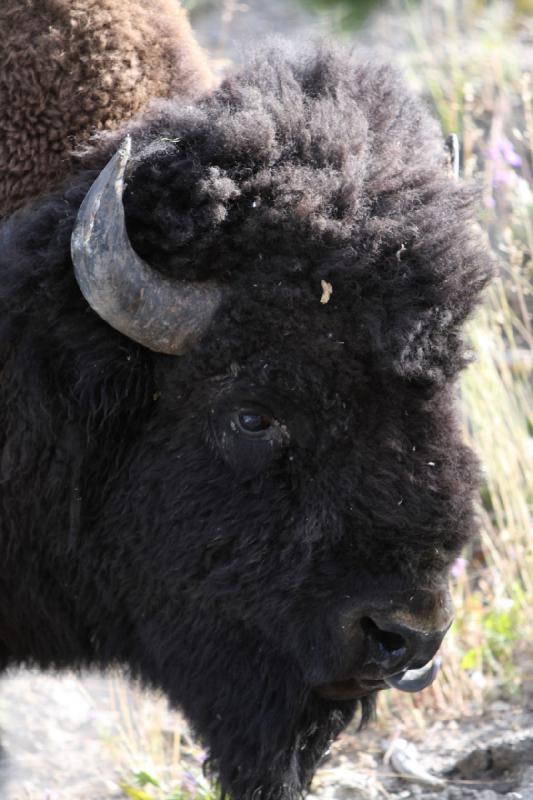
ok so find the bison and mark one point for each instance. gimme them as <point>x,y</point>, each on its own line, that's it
<point>231,458</point>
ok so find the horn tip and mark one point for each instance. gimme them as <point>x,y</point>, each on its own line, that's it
<point>124,151</point>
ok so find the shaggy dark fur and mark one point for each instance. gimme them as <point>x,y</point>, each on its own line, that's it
<point>138,526</point>
<point>68,67</point>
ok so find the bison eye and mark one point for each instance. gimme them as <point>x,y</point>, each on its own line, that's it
<point>251,422</point>
<point>249,437</point>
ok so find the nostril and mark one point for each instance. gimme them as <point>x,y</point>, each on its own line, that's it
<point>390,645</point>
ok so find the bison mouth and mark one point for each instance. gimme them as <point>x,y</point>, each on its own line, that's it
<point>409,680</point>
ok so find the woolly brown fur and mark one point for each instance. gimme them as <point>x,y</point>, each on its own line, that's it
<point>69,67</point>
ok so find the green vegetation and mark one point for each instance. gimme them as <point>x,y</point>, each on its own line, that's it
<point>144,786</point>
<point>346,14</point>
<point>349,15</point>
<point>197,6</point>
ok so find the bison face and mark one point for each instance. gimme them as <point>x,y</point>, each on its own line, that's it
<point>304,505</point>
<point>252,490</point>
<point>286,523</point>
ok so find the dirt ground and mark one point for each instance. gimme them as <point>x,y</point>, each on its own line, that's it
<point>66,738</point>
<point>71,738</point>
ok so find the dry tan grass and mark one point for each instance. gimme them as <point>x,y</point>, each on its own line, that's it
<point>479,81</point>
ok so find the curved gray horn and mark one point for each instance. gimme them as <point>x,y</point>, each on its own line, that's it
<point>161,314</point>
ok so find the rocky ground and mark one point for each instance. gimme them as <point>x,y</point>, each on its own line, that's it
<point>226,28</point>
<point>66,738</point>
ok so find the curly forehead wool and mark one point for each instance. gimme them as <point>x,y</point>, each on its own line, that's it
<point>316,166</point>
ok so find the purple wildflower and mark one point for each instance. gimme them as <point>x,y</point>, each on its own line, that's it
<point>502,150</point>
<point>509,154</point>
<point>458,567</point>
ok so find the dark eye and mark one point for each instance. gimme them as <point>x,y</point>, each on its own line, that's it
<point>248,435</point>
<point>254,423</point>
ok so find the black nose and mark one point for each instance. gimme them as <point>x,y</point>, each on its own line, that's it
<point>393,646</point>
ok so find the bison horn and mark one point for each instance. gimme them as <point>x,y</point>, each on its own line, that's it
<point>159,313</point>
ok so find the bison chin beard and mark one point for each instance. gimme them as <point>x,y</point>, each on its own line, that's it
<point>285,774</point>
<point>278,772</point>
<point>265,729</point>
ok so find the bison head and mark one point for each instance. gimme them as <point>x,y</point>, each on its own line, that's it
<point>252,490</point>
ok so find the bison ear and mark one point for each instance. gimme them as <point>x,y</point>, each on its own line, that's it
<point>164,315</point>
<point>430,347</point>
